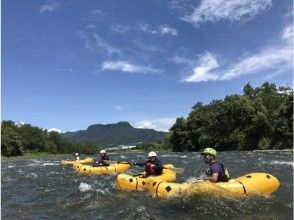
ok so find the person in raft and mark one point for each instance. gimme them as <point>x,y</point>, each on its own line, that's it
<point>216,171</point>
<point>101,162</point>
<point>153,166</point>
<point>77,157</point>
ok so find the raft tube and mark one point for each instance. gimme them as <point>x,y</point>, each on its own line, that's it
<point>250,184</point>
<point>112,168</point>
<point>87,160</point>
<point>138,182</point>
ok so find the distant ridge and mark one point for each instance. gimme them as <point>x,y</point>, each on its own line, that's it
<point>114,134</point>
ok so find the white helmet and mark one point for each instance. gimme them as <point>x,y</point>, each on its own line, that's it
<point>152,154</point>
<point>76,154</point>
<point>102,152</point>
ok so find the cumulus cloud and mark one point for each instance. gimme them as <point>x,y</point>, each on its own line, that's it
<point>233,10</point>
<point>49,6</point>
<point>161,124</point>
<point>54,129</point>
<point>125,66</point>
<point>276,59</point>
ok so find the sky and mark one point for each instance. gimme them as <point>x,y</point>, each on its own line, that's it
<point>66,65</point>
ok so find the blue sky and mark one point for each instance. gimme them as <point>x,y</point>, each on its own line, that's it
<point>69,64</point>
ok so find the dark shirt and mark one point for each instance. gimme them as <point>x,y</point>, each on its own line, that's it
<point>217,167</point>
<point>157,169</point>
<point>101,162</point>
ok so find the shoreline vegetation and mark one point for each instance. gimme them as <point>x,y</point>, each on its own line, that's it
<point>259,119</point>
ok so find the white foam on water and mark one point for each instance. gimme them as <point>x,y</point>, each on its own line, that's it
<point>33,175</point>
<point>83,187</point>
<point>50,164</point>
<point>165,155</point>
<point>11,166</point>
<point>184,156</point>
<point>282,162</point>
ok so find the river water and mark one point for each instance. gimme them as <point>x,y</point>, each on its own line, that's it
<point>41,188</point>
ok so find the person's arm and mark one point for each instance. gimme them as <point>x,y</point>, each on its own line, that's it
<point>139,164</point>
<point>212,178</point>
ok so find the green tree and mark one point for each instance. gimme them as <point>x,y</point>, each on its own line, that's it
<point>10,142</point>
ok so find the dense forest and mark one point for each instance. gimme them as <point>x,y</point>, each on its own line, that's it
<point>261,118</point>
<point>19,138</point>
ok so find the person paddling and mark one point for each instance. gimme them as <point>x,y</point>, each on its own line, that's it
<point>102,161</point>
<point>153,166</point>
<point>216,171</point>
<point>77,157</point>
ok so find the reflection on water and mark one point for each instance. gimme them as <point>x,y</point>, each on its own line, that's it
<point>43,189</point>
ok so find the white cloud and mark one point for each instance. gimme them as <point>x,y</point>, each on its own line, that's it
<point>271,58</point>
<point>166,30</point>
<point>121,29</point>
<point>125,66</point>
<point>147,29</point>
<point>50,6</point>
<point>121,108</point>
<point>201,72</point>
<point>233,10</point>
<point>102,44</point>
<point>54,129</point>
<point>162,124</point>
<point>275,59</point>
<point>95,43</point>
<point>162,29</point>
<point>288,34</point>
<point>182,60</point>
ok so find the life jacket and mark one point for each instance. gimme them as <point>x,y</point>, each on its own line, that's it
<point>224,177</point>
<point>149,169</point>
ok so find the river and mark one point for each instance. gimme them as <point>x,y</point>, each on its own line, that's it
<point>41,188</point>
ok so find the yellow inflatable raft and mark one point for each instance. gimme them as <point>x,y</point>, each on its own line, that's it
<point>128,182</point>
<point>112,168</point>
<point>252,183</point>
<point>87,160</point>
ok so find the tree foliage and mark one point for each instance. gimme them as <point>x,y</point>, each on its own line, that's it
<point>19,138</point>
<point>261,118</point>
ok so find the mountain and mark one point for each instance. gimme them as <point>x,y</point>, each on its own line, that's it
<point>114,134</point>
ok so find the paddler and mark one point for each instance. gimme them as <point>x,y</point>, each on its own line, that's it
<point>216,171</point>
<point>102,161</point>
<point>153,166</point>
<point>77,157</point>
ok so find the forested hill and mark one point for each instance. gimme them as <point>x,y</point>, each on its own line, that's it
<point>260,118</point>
<point>114,134</point>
